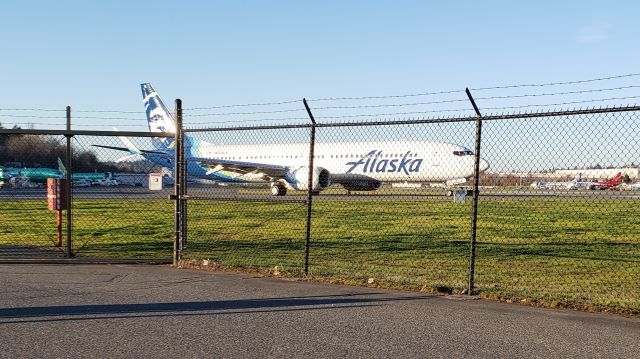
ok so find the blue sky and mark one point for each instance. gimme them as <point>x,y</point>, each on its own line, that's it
<point>93,55</point>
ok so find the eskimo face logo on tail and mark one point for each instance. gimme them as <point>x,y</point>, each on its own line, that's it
<point>158,117</point>
<point>374,163</point>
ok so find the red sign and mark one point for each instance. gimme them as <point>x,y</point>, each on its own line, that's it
<point>56,194</point>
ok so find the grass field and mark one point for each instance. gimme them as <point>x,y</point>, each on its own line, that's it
<point>562,252</point>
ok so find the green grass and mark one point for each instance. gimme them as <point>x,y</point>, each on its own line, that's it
<point>565,252</point>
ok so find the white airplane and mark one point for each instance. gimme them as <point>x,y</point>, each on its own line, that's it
<point>357,166</point>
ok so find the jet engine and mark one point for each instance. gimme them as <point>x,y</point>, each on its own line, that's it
<point>298,179</point>
<point>362,185</point>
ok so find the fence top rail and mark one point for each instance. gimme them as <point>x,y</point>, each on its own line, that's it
<point>20,131</point>
<point>423,121</point>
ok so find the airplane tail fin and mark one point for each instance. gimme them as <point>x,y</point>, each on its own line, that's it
<point>158,117</point>
<point>61,167</point>
<point>617,177</point>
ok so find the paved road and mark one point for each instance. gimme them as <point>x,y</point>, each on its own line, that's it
<point>155,311</point>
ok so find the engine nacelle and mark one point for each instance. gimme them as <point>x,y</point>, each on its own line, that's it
<point>362,185</point>
<point>298,179</point>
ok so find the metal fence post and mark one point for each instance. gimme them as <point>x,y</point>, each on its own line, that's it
<point>69,187</point>
<point>312,143</point>
<point>183,185</point>
<point>474,203</point>
<point>177,185</point>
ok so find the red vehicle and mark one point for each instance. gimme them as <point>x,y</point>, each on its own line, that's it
<point>611,184</point>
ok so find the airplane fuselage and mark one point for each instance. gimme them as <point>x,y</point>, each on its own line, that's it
<point>388,161</point>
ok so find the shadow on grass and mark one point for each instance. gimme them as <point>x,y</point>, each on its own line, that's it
<point>112,311</point>
<point>601,251</point>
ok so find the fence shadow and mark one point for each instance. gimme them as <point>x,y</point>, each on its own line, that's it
<point>111,311</point>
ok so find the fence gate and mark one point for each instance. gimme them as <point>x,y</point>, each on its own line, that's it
<point>27,227</point>
<point>112,212</point>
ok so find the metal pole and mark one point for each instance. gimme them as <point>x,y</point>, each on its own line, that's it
<point>177,184</point>
<point>474,203</point>
<point>69,188</point>
<point>59,227</point>
<point>183,186</point>
<point>312,144</point>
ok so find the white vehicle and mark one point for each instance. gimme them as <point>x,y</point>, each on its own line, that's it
<point>81,183</point>
<point>630,187</point>
<point>569,185</point>
<point>106,182</point>
<point>357,166</point>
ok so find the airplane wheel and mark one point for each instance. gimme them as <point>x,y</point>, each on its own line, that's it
<point>278,190</point>
<point>449,193</point>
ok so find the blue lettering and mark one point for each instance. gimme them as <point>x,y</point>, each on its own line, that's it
<point>415,166</point>
<point>361,161</point>
<point>393,165</point>
<point>404,163</point>
<point>373,164</point>
<point>382,166</point>
<point>370,163</point>
<point>366,164</point>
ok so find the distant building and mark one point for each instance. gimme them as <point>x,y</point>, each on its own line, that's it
<point>600,174</point>
<point>525,178</point>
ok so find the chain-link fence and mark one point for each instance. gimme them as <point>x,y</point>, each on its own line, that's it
<point>389,203</point>
<point>558,212</point>
<point>555,216</point>
<point>113,212</point>
<point>27,227</point>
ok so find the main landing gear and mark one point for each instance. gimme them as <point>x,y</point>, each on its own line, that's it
<point>278,189</point>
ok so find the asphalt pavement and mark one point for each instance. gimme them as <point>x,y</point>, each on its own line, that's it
<point>157,311</point>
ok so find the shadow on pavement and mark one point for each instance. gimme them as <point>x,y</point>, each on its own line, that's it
<point>111,311</point>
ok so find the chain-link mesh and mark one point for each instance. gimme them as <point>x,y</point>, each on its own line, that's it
<point>553,227</point>
<point>555,224</point>
<point>113,211</point>
<point>115,214</point>
<point>408,232</point>
<point>27,227</point>
<point>233,219</point>
<point>391,203</point>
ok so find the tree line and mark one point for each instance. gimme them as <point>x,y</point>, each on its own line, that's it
<point>40,151</point>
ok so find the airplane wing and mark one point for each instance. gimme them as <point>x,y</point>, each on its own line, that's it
<point>347,180</point>
<point>157,153</point>
<point>215,165</point>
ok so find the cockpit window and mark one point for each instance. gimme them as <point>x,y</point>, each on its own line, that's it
<point>463,153</point>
